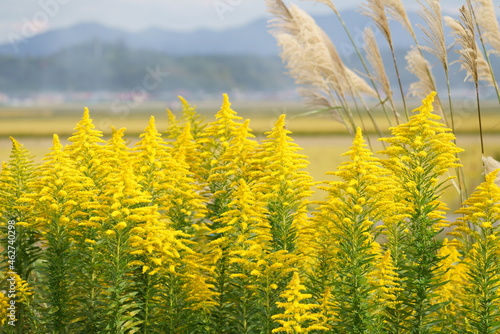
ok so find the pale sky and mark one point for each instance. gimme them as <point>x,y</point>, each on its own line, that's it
<point>28,17</point>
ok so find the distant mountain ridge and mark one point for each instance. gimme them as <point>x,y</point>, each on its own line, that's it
<point>200,42</point>
<point>253,38</point>
<point>93,57</point>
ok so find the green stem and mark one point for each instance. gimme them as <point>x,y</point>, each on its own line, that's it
<point>399,82</point>
<point>486,55</point>
<point>479,117</point>
<point>365,67</point>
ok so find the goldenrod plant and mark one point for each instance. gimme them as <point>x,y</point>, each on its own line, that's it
<point>86,150</point>
<point>454,279</point>
<point>189,117</point>
<point>298,316</point>
<point>420,152</point>
<point>204,228</point>
<point>481,297</point>
<point>287,187</point>
<point>16,237</point>
<point>60,194</point>
<point>138,240</point>
<point>214,142</point>
<point>345,226</point>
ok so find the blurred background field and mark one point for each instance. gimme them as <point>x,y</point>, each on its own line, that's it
<point>322,138</point>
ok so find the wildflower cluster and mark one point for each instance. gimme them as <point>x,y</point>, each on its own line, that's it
<point>203,229</point>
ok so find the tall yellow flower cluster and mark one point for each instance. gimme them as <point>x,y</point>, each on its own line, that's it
<point>345,236</point>
<point>286,186</point>
<point>420,152</point>
<point>453,291</point>
<point>298,316</point>
<point>204,229</point>
<point>479,232</point>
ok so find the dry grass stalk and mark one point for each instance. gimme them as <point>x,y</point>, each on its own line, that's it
<point>375,59</point>
<point>434,32</point>
<point>329,3</point>
<point>303,47</point>
<point>484,71</point>
<point>490,165</point>
<point>398,12</point>
<point>283,19</point>
<point>488,23</point>
<point>359,85</point>
<point>419,66</point>
<point>304,69</point>
<point>473,60</point>
<point>310,58</point>
<point>374,9</point>
<point>313,60</point>
<point>465,35</point>
<point>464,32</point>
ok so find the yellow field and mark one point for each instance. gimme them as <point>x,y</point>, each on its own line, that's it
<point>322,138</point>
<point>40,121</point>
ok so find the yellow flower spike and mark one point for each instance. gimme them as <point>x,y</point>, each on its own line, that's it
<point>4,304</point>
<point>115,214</point>
<point>154,271</point>
<point>487,225</point>
<point>385,278</point>
<point>287,186</point>
<point>297,316</point>
<point>255,272</point>
<point>23,291</point>
<point>217,133</point>
<point>164,173</point>
<point>423,129</point>
<point>453,273</point>
<point>416,176</point>
<point>121,225</point>
<point>480,209</point>
<point>85,145</point>
<point>345,222</point>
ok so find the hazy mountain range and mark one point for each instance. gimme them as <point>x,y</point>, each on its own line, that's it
<point>92,56</point>
<point>253,38</point>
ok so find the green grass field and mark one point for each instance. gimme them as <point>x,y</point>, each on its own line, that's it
<point>322,138</point>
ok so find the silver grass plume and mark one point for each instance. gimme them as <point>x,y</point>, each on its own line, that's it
<point>311,58</point>
<point>472,60</point>
<point>329,3</point>
<point>374,9</point>
<point>420,67</point>
<point>434,31</point>
<point>310,61</point>
<point>297,61</point>
<point>465,36</point>
<point>398,12</point>
<point>358,84</point>
<point>490,165</point>
<point>483,69</point>
<point>375,59</point>
<point>488,23</point>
